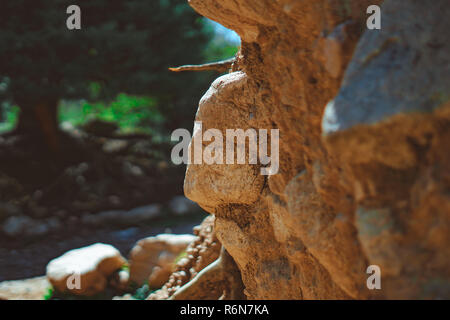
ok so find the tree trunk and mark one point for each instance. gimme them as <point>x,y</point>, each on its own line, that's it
<point>41,121</point>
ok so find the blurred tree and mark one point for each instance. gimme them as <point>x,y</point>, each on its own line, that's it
<point>123,46</point>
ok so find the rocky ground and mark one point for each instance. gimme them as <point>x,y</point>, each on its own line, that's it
<point>90,174</point>
<point>19,260</point>
<point>27,263</point>
<point>105,187</point>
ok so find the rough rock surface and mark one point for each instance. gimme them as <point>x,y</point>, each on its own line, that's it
<point>203,251</point>
<point>369,188</point>
<point>153,258</point>
<point>219,280</point>
<point>94,265</point>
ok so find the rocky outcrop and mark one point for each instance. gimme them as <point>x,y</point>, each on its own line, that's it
<point>364,120</point>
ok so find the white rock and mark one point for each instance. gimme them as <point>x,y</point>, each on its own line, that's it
<point>84,271</point>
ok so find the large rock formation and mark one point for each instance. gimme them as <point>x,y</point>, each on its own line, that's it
<point>364,158</point>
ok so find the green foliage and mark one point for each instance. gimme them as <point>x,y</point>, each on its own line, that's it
<point>11,115</point>
<point>142,292</point>
<point>221,51</point>
<point>49,293</point>
<point>130,113</point>
<point>180,256</point>
<point>123,46</point>
<point>219,48</point>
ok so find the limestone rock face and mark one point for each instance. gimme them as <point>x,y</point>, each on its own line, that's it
<point>84,271</point>
<point>153,258</point>
<point>364,157</point>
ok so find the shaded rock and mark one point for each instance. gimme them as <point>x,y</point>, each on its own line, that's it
<point>15,225</point>
<point>84,271</point>
<point>181,205</point>
<point>104,217</point>
<point>153,258</point>
<point>25,226</point>
<point>389,125</point>
<point>124,218</point>
<point>143,213</point>
<point>402,69</point>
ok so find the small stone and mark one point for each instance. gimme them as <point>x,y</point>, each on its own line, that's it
<point>160,251</point>
<point>84,271</point>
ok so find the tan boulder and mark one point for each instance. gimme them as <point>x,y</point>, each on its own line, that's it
<point>153,258</point>
<point>84,271</point>
<point>233,183</point>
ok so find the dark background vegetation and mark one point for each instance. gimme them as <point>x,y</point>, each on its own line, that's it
<point>109,78</point>
<point>86,115</point>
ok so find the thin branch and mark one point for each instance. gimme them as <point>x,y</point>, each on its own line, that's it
<point>220,66</point>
